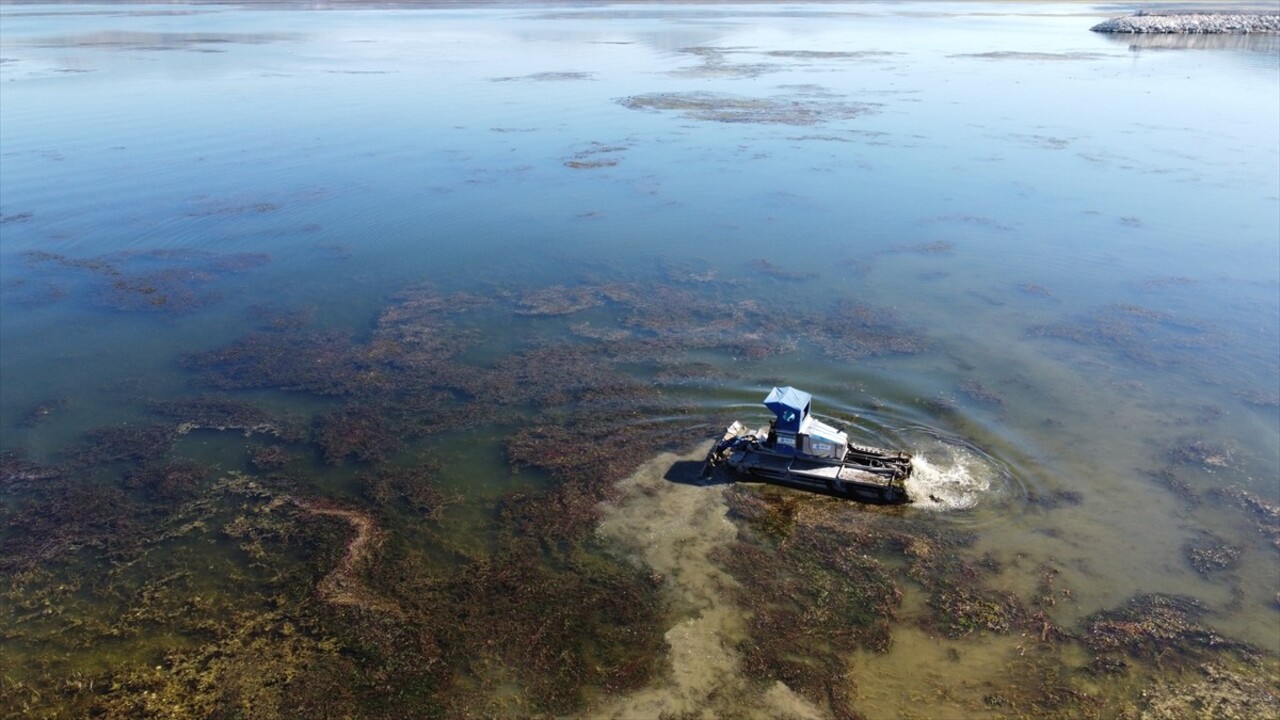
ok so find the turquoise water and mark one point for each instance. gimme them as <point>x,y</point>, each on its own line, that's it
<point>1082,230</point>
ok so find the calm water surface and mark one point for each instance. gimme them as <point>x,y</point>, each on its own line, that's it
<point>1080,233</point>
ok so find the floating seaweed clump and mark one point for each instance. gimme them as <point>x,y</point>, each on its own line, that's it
<point>362,432</point>
<point>124,443</point>
<point>855,330</point>
<point>64,518</point>
<point>230,634</point>
<point>412,487</point>
<point>812,597</point>
<point>1155,627</point>
<point>777,272</point>
<point>604,432</point>
<point>174,480</point>
<point>172,281</point>
<point>258,660</point>
<point>1183,490</point>
<point>1202,453</point>
<point>413,342</point>
<point>819,581</point>
<point>715,63</point>
<point>554,631</point>
<point>173,289</point>
<point>937,247</point>
<point>980,392</point>
<point>1143,335</point>
<point>718,107</point>
<point>585,452</point>
<point>1211,554</point>
<point>42,411</point>
<point>1217,693</point>
<point>665,322</point>
<point>418,331</point>
<point>548,77</point>
<point>1054,499</point>
<point>326,363</point>
<point>569,299</point>
<point>960,610</point>
<point>270,457</point>
<point>1265,515</point>
<point>210,412</point>
<point>598,155</point>
<point>1260,398</point>
<point>559,375</point>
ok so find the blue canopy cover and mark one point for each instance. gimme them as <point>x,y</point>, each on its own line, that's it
<point>790,405</point>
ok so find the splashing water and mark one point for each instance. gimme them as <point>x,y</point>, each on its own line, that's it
<point>948,477</point>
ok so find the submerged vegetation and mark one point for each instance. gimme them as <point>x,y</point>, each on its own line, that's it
<point>172,282</point>
<point>256,582</point>
<point>303,485</point>
<point>313,566</point>
<point>794,109</point>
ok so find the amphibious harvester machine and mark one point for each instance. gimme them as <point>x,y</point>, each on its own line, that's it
<point>798,450</point>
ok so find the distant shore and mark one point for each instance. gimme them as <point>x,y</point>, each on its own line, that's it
<point>1158,8</point>
<point>1194,23</point>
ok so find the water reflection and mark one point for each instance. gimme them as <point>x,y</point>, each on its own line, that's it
<point>1260,49</point>
<point>138,40</point>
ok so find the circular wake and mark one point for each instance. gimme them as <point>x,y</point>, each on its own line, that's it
<point>947,483</point>
<point>952,475</point>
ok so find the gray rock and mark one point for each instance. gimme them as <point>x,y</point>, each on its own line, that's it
<point>1191,23</point>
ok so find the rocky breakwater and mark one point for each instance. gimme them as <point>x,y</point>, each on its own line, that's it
<point>1205,23</point>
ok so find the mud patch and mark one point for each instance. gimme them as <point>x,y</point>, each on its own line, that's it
<point>674,529</point>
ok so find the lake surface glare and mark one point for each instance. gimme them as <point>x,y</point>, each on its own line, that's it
<point>352,360</point>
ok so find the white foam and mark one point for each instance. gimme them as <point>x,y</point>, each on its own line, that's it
<point>949,478</point>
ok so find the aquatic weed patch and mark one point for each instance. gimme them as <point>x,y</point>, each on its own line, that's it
<point>1218,692</point>
<point>55,514</point>
<point>1150,337</point>
<point>318,363</point>
<point>351,576</point>
<point>1264,516</point>
<point>1156,627</point>
<point>123,443</point>
<point>222,414</point>
<point>413,487</point>
<point>820,579</point>
<point>173,480</point>
<point>1210,554</point>
<point>778,110</point>
<point>810,597</point>
<point>363,432</point>
<point>165,281</point>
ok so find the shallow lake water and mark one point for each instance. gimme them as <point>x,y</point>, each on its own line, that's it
<point>316,321</point>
